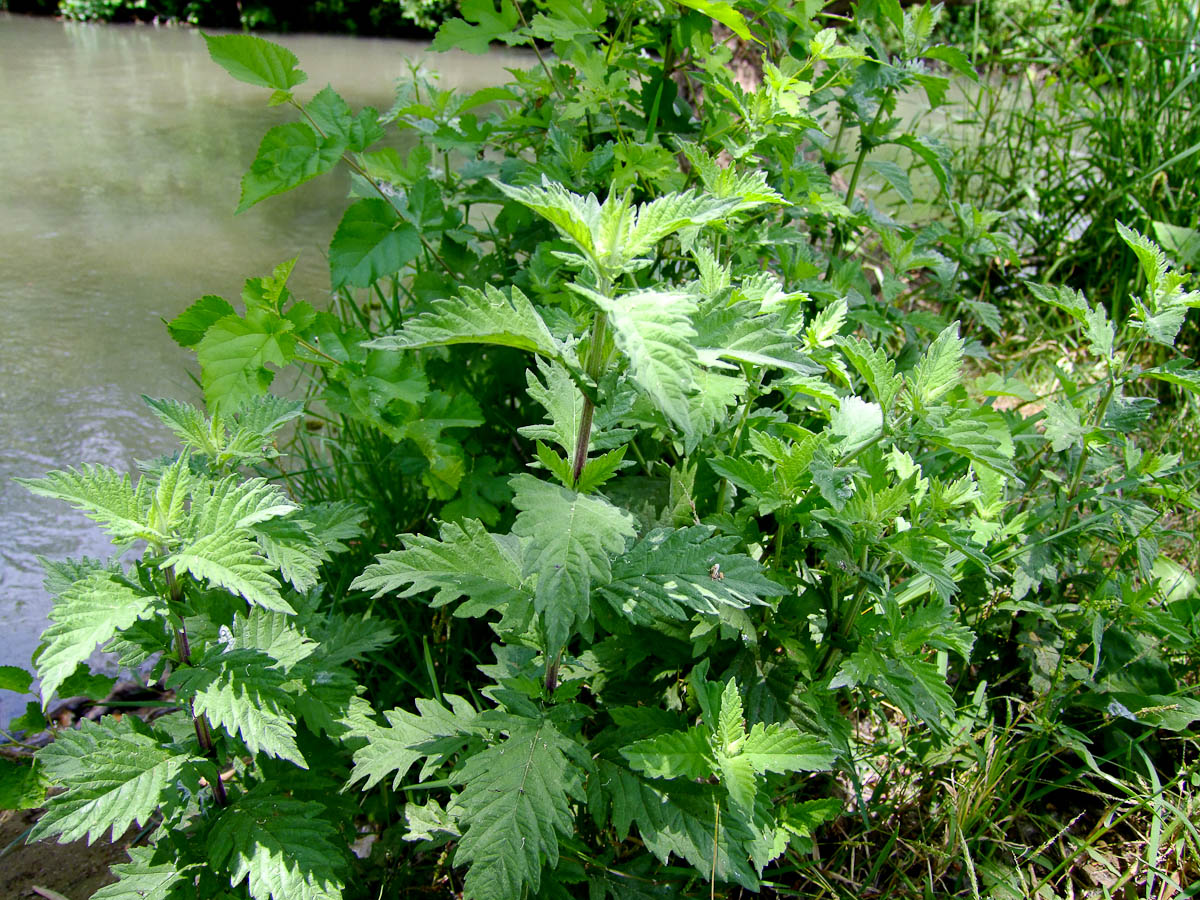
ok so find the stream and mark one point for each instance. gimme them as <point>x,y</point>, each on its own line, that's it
<point>121,149</point>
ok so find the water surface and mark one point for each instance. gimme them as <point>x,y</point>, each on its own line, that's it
<point>121,149</point>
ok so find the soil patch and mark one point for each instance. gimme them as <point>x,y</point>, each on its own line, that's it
<point>74,870</point>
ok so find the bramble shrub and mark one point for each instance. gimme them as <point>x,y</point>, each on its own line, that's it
<point>680,434</point>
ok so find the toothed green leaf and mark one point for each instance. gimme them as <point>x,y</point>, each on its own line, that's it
<point>570,539</point>
<point>284,848</point>
<point>434,731</point>
<point>939,370</point>
<point>513,807</point>
<point>477,317</point>
<point>105,496</point>
<point>467,561</point>
<point>676,754</point>
<point>141,878</point>
<point>242,692</point>
<point>88,613</point>
<point>114,776</point>
<point>255,61</point>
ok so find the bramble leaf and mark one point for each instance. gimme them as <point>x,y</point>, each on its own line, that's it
<point>256,61</point>
<point>371,242</point>
<point>288,156</point>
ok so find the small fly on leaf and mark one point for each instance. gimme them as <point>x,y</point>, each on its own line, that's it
<point>715,573</point>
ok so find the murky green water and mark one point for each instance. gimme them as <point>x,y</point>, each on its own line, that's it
<point>121,149</point>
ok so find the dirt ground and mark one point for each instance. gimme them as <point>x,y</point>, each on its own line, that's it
<point>74,870</point>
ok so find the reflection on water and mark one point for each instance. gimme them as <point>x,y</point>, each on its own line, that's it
<point>121,152</point>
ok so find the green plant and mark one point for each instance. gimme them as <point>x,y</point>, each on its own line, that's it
<point>717,526</point>
<point>237,781</point>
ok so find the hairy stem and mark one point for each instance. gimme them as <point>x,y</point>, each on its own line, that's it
<point>595,364</point>
<point>184,651</point>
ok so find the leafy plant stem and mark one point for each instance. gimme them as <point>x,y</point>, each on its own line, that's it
<point>199,723</point>
<point>1077,476</point>
<point>595,363</point>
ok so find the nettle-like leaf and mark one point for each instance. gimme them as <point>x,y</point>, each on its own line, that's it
<point>1160,313</point>
<point>242,691</point>
<point>513,807</point>
<point>114,774</point>
<point>88,613</point>
<point>467,561</point>
<point>570,539</point>
<point>284,848</point>
<point>613,233</point>
<point>477,317</point>
<point>434,732</point>
<point>728,751</point>
<point>669,571</point>
<point>105,496</point>
<point>232,562</point>
<point>653,330</point>
<point>876,369</point>
<point>489,25</point>
<point>563,402</point>
<point>679,820</point>
<point>940,368</point>
<point>142,878</point>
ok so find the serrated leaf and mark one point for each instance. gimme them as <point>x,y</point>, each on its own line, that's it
<point>434,731</point>
<point>234,355</point>
<point>190,325</point>
<point>895,176</point>
<point>256,61</point>
<point>940,368</point>
<point>679,822</point>
<point>514,806</point>
<point>114,775</point>
<point>570,539</point>
<point>782,748</point>
<point>653,330</point>
<point>288,156</point>
<point>272,633</point>
<point>231,562</point>
<point>676,754</point>
<point>876,369</point>
<point>731,728</point>
<point>670,570</point>
<point>289,547</point>
<point>980,434</point>
<point>477,317</point>
<point>242,692</point>
<point>141,878</point>
<point>14,678</point>
<point>467,561</point>
<point>104,495</point>
<point>284,848</point>
<point>491,24</point>
<point>371,242</point>
<point>21,785</point>
<point>87,614</point>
